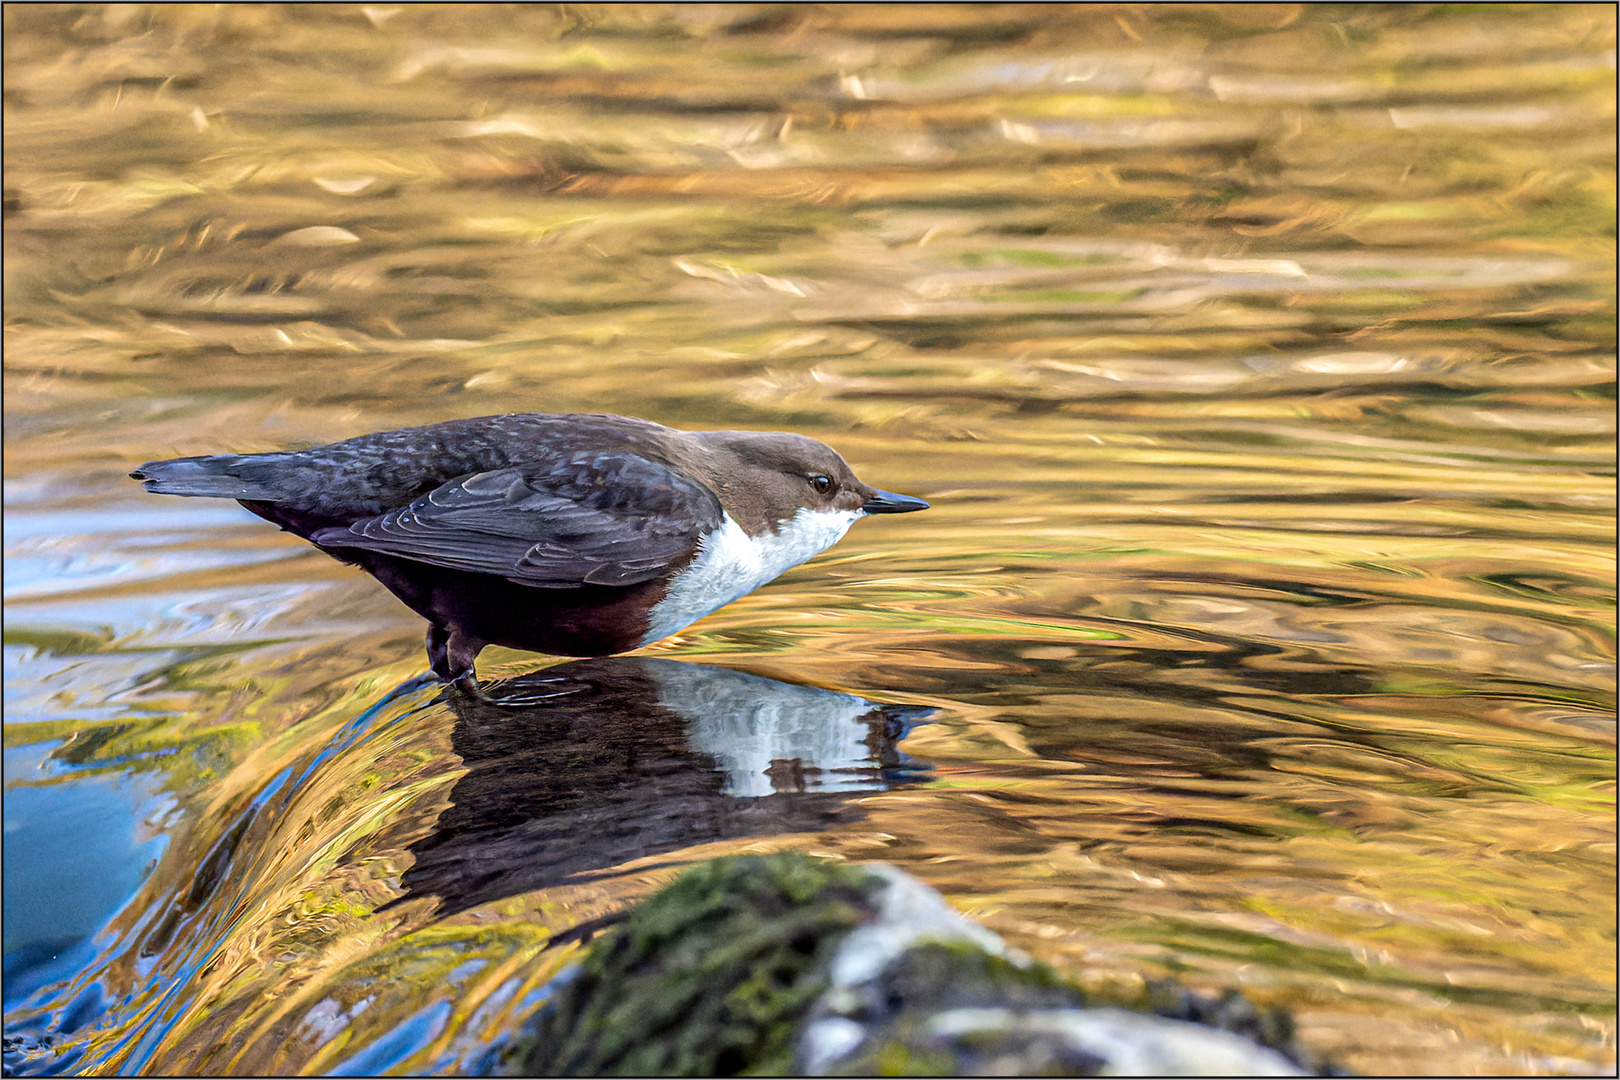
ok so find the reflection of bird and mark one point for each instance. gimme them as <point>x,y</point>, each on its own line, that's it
<point>585,766</point>
<point>579,535</point>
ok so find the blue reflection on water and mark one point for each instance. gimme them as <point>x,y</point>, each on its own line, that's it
<point>408,1038</point>
<point>71,861</point>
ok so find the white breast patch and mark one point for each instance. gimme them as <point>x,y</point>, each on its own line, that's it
<point>731,564</point>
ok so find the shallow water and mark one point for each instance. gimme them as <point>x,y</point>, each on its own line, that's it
<point>1258,364</point>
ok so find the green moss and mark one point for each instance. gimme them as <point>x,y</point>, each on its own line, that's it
<point>935,976</point>
<point>895,1058</point>
<point>709,977</point>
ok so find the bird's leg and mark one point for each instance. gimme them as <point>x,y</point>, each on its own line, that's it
<point>451,653</point>
<point>462,652</point>
<point>438,650</point>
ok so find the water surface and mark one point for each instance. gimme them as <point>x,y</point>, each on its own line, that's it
<point>1258,364</point>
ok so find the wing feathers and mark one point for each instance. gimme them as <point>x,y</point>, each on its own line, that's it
<point>589,519</point>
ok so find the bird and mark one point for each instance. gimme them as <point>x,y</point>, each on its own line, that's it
<point>579,534</point>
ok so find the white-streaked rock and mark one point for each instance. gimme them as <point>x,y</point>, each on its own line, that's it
<point>826,1040</point>
<point>1130,1043</point>
<point>909,913</point>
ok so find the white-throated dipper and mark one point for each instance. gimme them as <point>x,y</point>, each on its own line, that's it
<point>577,535</point>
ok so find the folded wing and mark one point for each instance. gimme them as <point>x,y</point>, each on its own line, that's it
<point>588,518</point>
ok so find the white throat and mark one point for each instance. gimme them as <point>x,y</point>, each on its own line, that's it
<point>731,564</point>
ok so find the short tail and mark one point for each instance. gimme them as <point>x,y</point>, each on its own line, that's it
<point>204,476</point>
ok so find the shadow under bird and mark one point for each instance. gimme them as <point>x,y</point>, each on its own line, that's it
<point>576,535</point>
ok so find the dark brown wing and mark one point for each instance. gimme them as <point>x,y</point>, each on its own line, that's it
<point>587,518</point>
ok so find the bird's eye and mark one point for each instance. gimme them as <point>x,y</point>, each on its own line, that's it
<point>822,484</point>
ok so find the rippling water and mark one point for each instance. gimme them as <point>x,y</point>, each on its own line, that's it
<point>1258,363</point>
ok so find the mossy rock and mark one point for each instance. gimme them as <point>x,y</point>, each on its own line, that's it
<point>936,977</point>
<point>709,977</point>
<point>777,964</point>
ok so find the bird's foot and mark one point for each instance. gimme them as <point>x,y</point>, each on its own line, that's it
<point>466,682</point>
<point>451,656</point>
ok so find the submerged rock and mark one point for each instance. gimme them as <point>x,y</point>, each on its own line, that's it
<point>786,964</point>
<point>711,976</point>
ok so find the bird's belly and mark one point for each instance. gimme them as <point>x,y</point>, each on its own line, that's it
<point>591,620</point>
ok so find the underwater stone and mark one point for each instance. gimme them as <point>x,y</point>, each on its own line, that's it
<point>787,964</point>
<point>1112,1042</point>
<point>711,976</point>
<point>909,912</point>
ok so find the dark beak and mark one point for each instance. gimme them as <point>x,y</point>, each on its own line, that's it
<point>887,502</point>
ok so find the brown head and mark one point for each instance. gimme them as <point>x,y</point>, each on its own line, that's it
<point>766,477</point>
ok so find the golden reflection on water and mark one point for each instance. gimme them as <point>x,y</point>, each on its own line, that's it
<point>1257,361</point>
